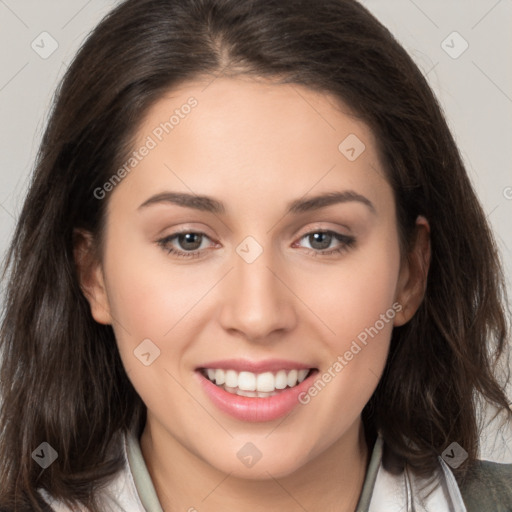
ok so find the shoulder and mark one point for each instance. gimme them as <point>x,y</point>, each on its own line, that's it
<point>117,495</point>
<point>487,486</point>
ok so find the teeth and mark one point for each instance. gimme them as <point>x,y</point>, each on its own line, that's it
<point>251,394</point>
<point>281,380</point>
<point>292,378</point>
<point>255,385</point>
<point>265,382</point>
<point>231,379</point>
<point>302,375</point>
<point>247,382</point>
<point>219,377</point>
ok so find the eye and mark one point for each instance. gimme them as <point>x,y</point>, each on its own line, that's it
<point>320,242</point>
<point>190,244</point>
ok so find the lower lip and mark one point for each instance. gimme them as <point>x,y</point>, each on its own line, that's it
<point>255,409</point>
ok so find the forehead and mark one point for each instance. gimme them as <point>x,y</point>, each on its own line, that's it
<point>256,137</point>
<point>247,106</point>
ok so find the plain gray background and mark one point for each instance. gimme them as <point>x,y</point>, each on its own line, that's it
<point>474,87</point>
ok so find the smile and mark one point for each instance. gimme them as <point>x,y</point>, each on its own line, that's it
<point>253,385</point>
<point>255,391</point>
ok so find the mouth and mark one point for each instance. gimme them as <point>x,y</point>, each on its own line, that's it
<point>256,385</point>
<point>255,391</point>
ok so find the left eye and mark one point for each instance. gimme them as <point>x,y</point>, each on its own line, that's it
<point>321,241</point>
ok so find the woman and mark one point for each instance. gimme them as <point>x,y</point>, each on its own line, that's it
<point>320,343</point>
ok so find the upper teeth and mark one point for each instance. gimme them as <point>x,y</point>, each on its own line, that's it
<point>248,381</point>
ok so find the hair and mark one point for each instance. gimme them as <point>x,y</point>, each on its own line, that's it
<point>62,379</point>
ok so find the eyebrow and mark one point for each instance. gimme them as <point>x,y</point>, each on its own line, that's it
<point>209,204</point>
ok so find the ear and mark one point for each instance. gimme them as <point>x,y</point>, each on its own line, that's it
<point>90,276</point>
<point>412,279</point>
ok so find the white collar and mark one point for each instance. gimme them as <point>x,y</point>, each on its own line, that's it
<point>132,489</point>
<point>401,492</point>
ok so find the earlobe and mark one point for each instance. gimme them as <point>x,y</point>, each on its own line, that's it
<point>412,281</point>
<point>90,276</point>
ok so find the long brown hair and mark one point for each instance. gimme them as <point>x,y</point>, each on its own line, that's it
<point>62,380</point>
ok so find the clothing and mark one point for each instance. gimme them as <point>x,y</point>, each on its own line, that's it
<point>383,491</point>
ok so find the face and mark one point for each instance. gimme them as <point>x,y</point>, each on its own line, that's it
<point>254,243</point>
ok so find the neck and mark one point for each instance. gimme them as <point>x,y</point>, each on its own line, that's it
<point>330,482</point>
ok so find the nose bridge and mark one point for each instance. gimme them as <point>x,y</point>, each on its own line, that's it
<point>256,302</point>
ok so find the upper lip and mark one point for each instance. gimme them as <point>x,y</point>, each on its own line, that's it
<point>266,365</point>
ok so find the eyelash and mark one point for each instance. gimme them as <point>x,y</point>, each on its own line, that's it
<point>347,242</point>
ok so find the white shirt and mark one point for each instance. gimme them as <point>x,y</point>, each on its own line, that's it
<point>132,489</point>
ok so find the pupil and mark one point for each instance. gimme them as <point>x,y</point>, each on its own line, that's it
<point>319,238</point>
<point>188,238</point>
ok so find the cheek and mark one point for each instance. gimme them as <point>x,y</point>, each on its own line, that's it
<point>351,295</point>
<point>152,302</point>
<point>149,295</point>
<point>152,299</point>
<point>356,300</point>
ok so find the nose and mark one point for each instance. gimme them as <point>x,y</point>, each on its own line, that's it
<point>258,305</point>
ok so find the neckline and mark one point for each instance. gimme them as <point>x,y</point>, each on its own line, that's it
<point>149,498</point>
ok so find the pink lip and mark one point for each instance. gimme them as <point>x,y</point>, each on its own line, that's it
<point>255,409</point>
<point>267,365</point>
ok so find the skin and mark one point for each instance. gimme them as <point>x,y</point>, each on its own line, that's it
<point>255,146</point>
